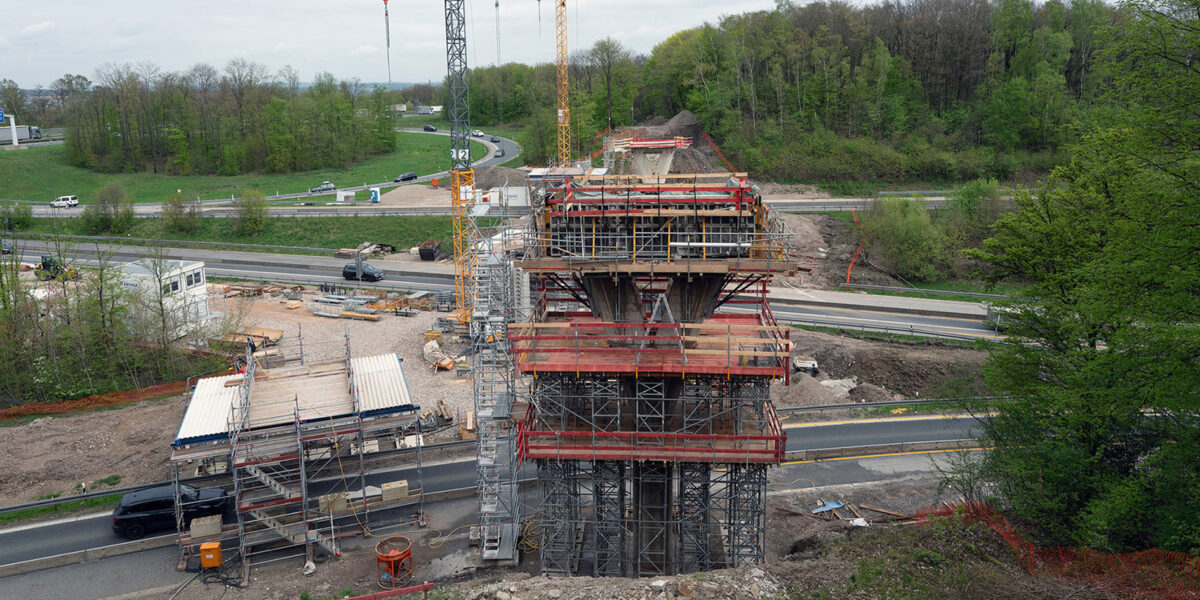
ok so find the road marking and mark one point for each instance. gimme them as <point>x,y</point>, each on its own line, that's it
<point>817,460</point>
<point>883,420</point>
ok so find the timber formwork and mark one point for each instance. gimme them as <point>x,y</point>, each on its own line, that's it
<point>647,361</point>
<point>296,456</point>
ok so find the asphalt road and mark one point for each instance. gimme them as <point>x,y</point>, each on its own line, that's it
<point>407,276</point>
<point>53,538</point>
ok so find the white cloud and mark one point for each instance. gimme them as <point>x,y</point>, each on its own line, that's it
<point>280,46</point>
<point>37,28</point>
<point>363,50</point>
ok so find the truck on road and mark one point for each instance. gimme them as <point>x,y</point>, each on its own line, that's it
<point>25,133</point>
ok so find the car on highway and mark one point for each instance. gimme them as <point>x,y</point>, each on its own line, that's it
<point>153,509</point>
<point>324,187</point>
<point>369,273</point>
<point>430,128</point>
<point>494,139</point>
<point>409,176</point>
<point>65,201</point>
<point>499,152</point>
<point>477,133</point>
<point>6,247</point>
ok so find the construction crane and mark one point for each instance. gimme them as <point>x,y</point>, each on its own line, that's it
<point>387,29</point>
<point>564,100</point>
<point>462,176</point>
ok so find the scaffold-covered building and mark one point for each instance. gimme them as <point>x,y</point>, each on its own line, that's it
<point>648,360</point>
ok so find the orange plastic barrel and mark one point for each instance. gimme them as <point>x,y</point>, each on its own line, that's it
<point>393,562</point>
<point>434,181</point>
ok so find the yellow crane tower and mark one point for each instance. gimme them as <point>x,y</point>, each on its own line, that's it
<point>564,100</point>
<point>462,176</point>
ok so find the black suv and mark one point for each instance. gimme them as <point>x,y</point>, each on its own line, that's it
<point>430,128</point>
<point>154,509</point>
<point>369,273</point>
<point>409,176</point>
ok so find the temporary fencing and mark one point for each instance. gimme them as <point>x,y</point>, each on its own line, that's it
<point>1147,574</point>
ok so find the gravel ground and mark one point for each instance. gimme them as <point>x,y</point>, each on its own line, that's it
<point>403,335</point>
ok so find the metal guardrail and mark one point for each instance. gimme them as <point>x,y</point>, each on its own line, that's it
<point>822,407</point>
<point>896,288</point>
<point>199,479</point>
<point>165,243</point>
<point>863,327</point>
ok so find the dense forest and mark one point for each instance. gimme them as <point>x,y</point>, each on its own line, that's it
<point>905,89</point>
<point>205,121</point>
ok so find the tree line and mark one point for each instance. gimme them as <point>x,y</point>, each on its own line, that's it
<point>239,119</point>
<point>71,338</point>
<point>1101,444</point>
<point>904,89</point>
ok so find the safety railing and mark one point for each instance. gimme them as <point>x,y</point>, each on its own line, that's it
<point>769,447</point>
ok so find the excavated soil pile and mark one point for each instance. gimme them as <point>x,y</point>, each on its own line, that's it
<point>491,177</point>
<point>697,158</point>
<point>813,232</point>
<point>927,369</point>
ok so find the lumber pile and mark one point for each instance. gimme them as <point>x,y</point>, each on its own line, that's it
<point>829,511</point>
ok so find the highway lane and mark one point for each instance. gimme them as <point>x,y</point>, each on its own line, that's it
<point>29,542</point>
<point>414,276</point>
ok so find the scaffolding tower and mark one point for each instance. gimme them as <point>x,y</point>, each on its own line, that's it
<point>297,440</point>
<point>494,386</point>
<point>647,362</point>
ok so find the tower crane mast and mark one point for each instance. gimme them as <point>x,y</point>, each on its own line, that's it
<point>462,176</point>
<point>564,101</point>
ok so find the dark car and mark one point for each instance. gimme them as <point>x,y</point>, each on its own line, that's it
<point>430,128</point>
<point>494,139</point>
<point>324,187</point>
<point>5,247</point>
<point>153,509</point>
<point>369,273</point>
<point>409,176</point>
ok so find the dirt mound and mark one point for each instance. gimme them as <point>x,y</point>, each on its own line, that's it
<point>490,177</point>
<point>920,368</point>
<point>804,391</point>
<point>868,392</point>
<point>810,233</point>
<point>686,124</point>
<point>658,121</point>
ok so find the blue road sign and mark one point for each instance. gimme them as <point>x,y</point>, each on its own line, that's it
<point>1,115</point>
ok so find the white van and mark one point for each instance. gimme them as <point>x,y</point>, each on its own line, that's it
<point>65,201</point>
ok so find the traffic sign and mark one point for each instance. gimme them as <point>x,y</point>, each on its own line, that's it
<point>1,115</point>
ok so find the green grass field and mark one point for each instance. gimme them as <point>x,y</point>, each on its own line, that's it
<point>41,173</point>
<point>311,232</point>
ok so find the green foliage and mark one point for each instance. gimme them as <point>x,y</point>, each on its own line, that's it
<point>180,214</point>
<point>112,212</point>
<point>15,216</point>
<point>1101,448</point>
<point>899,234</point>
<point>230,122</point>
<point>252,213</point>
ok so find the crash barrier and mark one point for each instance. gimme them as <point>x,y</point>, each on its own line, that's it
<point>1147,574</point>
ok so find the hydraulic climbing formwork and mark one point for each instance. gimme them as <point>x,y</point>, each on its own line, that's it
<point>649,416</point>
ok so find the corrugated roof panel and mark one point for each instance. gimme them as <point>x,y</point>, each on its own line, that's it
<point>207,415</point>
<point>379,383</point>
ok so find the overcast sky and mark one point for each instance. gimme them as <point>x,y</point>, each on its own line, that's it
<point>40,41</point>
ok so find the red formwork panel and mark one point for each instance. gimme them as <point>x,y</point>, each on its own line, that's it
<point>724,344</point>
<point>767,447</point>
